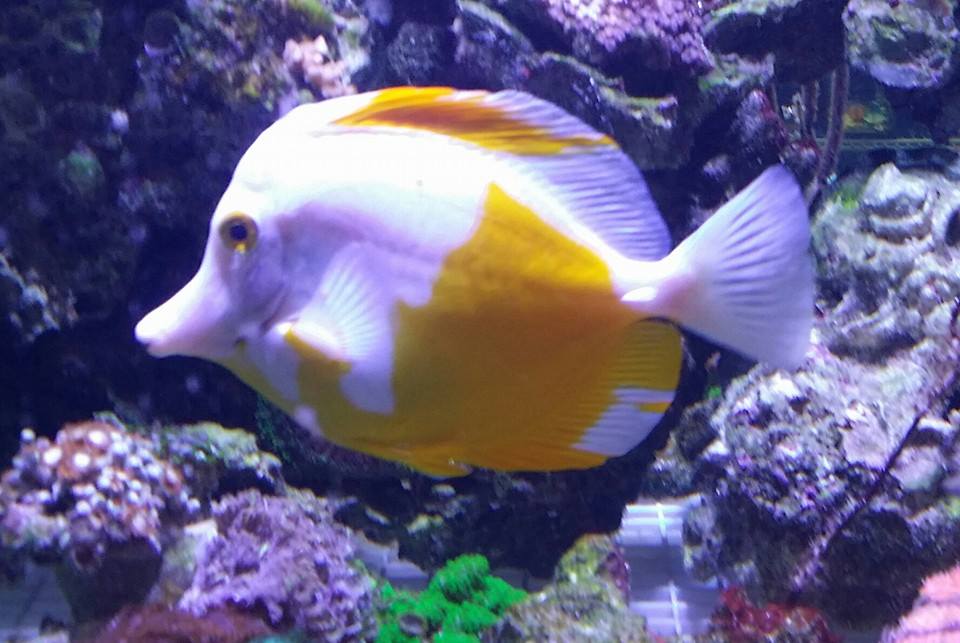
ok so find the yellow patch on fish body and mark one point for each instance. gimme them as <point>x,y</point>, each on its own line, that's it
<point>525,334</point>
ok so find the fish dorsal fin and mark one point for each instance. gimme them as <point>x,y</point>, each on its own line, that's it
<point>583,169</point>
<point>348,320</point>
<point>607,195</point>
<point>596,182</point>
<point>507,121</point>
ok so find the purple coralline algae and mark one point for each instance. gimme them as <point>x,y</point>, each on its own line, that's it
<point>661,33</point>
<point>285,557</point>
<point>823,486</point>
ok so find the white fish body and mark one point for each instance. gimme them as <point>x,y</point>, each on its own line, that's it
<point>455,279</point>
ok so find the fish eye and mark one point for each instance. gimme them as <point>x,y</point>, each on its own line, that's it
<point>239,232</point>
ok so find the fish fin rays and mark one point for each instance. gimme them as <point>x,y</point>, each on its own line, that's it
<point>585,170</point>
<point>349,320</point>
<point>752,277</point>
<point>599,184</point>
<point>507,121</point>
<point>608,197</point>
<point>612,417</point>
<point>642,384</point>
<point>434,461</point>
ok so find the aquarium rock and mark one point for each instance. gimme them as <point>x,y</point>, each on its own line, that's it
<point>785,28</point>
<point>902,44</point>
<point>490,51</point>
<point>30,310</point>
<point>587,600</point>
<point>216,460</point>
<point>654,34</point>
<point>823,485</point>
<point>286,557</point>
<point>421,53</point>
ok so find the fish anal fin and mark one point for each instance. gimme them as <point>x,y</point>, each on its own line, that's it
<point>601,410</point>
<point>641,385</point>
<point>432,460</point>
<point>539,456</point>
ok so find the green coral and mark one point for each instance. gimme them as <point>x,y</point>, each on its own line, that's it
<point>461,601</point>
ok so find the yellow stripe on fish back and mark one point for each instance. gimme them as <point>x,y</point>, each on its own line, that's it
<point>465,116</point>
<point>517,354</point>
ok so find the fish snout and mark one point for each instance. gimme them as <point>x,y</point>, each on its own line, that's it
<point>149,332</point>
<point>189,323</point>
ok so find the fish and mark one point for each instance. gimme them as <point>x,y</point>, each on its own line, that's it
<point>454,279</point>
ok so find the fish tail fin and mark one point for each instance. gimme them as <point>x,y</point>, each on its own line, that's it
<point>744,279</point>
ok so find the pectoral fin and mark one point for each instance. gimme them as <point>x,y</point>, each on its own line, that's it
<point>348,322</point>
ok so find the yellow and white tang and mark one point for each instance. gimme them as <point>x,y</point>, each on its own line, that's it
<point>461,278</point>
